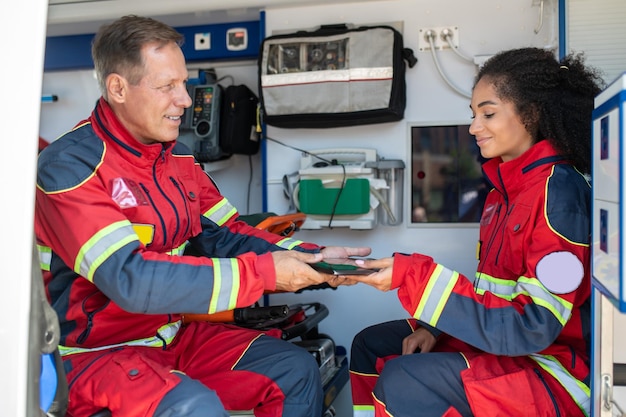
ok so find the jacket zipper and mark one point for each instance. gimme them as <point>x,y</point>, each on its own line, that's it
<point>187,209</point>
<point>545,384</point>
<point>506,213</point>
<point>502,229</point>
<point>488,248</point>
<point>573,357</point>
<point>171,203</point>
<point>90,315</point>
<point>145,189</point>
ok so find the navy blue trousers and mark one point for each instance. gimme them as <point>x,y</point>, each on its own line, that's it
<point>409,385</point>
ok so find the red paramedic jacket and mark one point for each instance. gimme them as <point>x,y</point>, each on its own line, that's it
<point>112,219</point>
<point>530,294</point>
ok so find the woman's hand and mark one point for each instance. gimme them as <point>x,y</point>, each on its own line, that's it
<point>380,280</point>
<point>420,339</point>
<point>344,252</point>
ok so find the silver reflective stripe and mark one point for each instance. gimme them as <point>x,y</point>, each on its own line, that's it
<point>169,331</point>
<point>561,309</point>
<point>225,284</point>
<point>288,243</point>
<point>45,257</point>
<point>352,74</point>
<point>579,392</point>
<point>502,287</point>
<point>221,212</point>
<point>438,290</point>
<point>165,335</point>
<point>531,287</point>
<point>102,245</point>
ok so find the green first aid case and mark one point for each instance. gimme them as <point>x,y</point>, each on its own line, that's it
<point>315,198</point>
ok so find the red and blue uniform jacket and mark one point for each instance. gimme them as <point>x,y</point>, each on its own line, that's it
<point>530,295</point>
<point>112,219</point>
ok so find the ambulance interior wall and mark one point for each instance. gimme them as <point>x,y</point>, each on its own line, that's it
<point>484,28</point>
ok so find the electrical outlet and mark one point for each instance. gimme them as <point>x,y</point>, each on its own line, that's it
<point>202,41</point>
<point>439,35</point>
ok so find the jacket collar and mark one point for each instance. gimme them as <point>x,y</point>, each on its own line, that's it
<point>509,177</point>
<point>109,128</point>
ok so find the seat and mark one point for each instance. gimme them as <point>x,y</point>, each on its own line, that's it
<point>282,225</point>
<point>52,391</point>
<point>298,321</point>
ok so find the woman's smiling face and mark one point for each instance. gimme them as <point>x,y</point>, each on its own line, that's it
<point>497,126</point>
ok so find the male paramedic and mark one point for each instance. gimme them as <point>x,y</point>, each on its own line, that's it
<point>117,201</point>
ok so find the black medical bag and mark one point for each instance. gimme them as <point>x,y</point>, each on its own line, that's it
<point>239,124</point>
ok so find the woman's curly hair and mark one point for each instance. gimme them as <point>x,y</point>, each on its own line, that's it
<point>554,99</point>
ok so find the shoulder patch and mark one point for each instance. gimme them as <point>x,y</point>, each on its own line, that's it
<point>560,272</point>
<point>568,204</point>
<point>69,160</point>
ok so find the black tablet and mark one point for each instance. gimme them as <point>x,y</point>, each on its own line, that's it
<point>341,267</point>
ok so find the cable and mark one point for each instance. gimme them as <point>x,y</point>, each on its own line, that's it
<point>447,35</point>
<point>334,209</point>
<point>538,28</point>
<point>232,79</point>
<point>430,36</point>
<point>249,183</point>
<point>302,150</point>
<point>383,203</point>
<point>330,162</point>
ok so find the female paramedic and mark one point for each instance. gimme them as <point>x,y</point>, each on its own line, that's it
<point>514,340</point>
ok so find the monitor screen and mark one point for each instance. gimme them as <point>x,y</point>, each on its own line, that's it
<point>447,184</point>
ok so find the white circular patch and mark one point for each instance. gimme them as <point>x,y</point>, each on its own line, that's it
<point>560,272</point>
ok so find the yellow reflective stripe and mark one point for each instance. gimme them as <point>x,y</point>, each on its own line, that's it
<point>221,212</point>
<point>436,294</point>
<point>288,243</point>
<point>363,410</point>
<point>579,392</point>
<point>179,250</point>
<point>45,257</point>
<point>102,245</point>
<point>531,287</point>
<point>165,334</point>
<point>225,291</point>
<point>498,286</point>
<point>560,308</point>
